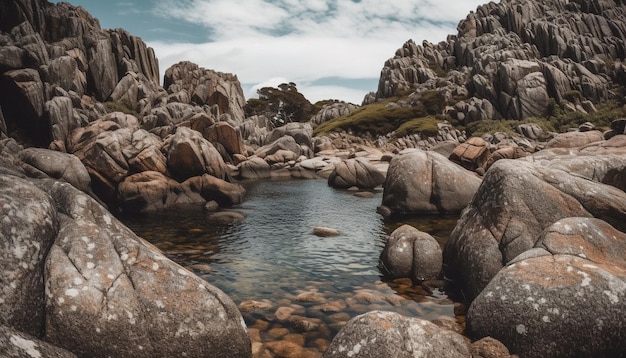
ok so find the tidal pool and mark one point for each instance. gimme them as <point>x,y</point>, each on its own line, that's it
<point>292,285</point>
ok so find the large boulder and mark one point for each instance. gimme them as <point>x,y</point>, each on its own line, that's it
<point>190,154</point>
<point>471,154</point>
<point>152,191</point>
<point>517,200</point>
<point>355,172</point>
<point>427,182</point>
<point>28,228</point>
<point>575,139</point>
<point>565,298</point>
<point>226,135</point>
<point>99,147</point>
<point>42,163</point>
<point>388,334</point>
<point>110,293</point>
<point>411,253</point>
<point>254,168</point>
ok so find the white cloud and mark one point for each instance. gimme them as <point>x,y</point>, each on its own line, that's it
<point>304,40</point>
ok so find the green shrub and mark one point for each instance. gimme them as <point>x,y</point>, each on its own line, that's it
<point>123,106</point>
<point>426,126</point>
<point>377,119</point>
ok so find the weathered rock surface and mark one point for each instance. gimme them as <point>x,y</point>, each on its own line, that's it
<point>104,285</point>
<point>42,163</point>
<point>471,154</point>
<point>518,199</point>
<point>152,191</point>
<point>427,182</point>
<point>355,173</point>
<point>189,154</point>
<point>332,111</point>
<point>411,253</point>
<point>29,227</point>
<point>16,344</point>
<point>388,334</point>
<point>574,139</point>
<point>206,87</point>
<point>566,296</point>
<point>60,48</point>
<point>516,59</point>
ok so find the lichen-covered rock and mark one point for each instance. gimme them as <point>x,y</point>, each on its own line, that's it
<point>388,334</point>
<point>16,344</point>
<point>28,229</point>
<point>565,298</point>
<point>517,200</point>
<point>355,173</point>
<point>427,182</point>
<point>411,253</point>
<point>109,293</point>
<point>42,163</point>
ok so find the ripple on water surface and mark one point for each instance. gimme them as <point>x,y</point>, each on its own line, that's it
<point>272,256</point>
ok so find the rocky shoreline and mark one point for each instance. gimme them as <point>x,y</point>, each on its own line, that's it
<point>86,131</point>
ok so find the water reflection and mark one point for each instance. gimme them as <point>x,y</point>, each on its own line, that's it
<point>272,256</point>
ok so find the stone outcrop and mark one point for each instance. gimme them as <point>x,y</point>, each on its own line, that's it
<point>427,182</point>
<point>153,191</point>
<point>59,48</point>
<point>518,199</point>
<point>388,334</point>
<point>517,59</point>
<point>332,111</point>
<point>355,173</point>
<point>565,297</point>
<point>201,86</point>
<point>411,253</point>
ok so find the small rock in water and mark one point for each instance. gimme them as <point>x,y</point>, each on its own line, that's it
<point>252,305</point>
<point>211,206</point>
<point>325,231</point>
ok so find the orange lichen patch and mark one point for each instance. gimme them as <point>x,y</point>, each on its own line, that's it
<point>382,323</point>
<point>564,271</point>
<point>559,243</point>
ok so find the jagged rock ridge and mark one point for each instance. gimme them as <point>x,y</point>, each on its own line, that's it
<point>517,59</point>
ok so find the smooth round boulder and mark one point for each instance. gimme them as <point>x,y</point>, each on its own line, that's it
<point>254,168</point>
<point>420,182</point>
<point>575,139</point>
<point>389,334</point>
<point>565,298</point>
<point>411,253</point>
<point>112,294</point>
<point>355,173</point>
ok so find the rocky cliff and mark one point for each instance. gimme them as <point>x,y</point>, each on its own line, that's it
<point>516,59</point>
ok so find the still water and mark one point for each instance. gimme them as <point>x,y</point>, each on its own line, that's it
<point>264,250</point>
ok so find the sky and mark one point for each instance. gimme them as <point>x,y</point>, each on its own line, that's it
<point>331,49</point>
